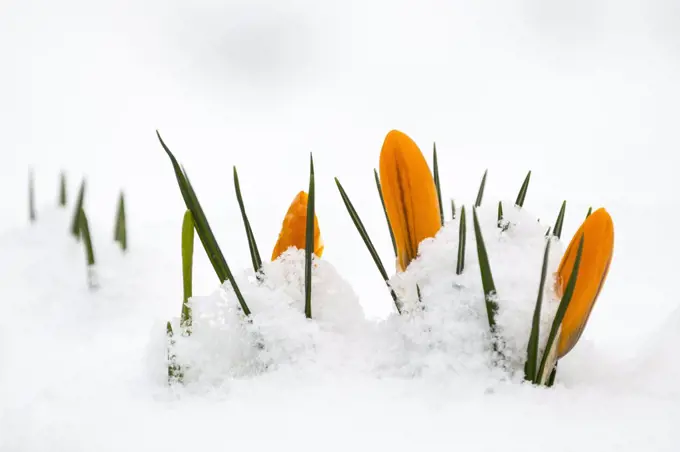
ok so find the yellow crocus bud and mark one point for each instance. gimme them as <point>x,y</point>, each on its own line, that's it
<point>294,227</point>
<point>598,247</point>
<point>410,195</point>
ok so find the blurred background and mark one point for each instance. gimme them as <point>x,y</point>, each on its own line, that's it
<point>583,92</point>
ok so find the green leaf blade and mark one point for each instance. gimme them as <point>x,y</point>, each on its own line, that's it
<point>532,349</point>
<point>480,192</point>
<point>487,278</point>
<point>367,240</point>
<point>437,183</point>
<point>309,241</point>
<point>203,229</point>
<point>462,236</point>
<point>252,244</point>
<point>557,230</point>
<point>187,268</point>
<point>521,196</point>
<point>561,309</point>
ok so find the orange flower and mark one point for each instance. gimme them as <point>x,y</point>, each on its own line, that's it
<point>598,247</point>
<point>294,226</point>
<point>410,195</point>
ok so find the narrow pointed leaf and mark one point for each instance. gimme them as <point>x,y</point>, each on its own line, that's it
<point>309,241</point>
<point>561,310</point>
<point>500,212</point>
<point>382,201</point>
<point>480,193</point>
<point>532,350</point>
<point>557,230</point>
<point>521,196</point>
<point>252,245</point>
<point>485,269</point>
<point>121,227</point>
<point>551,378</point>
<point>590,210</point>
<point>367,241</point>
<point>62,190</point>
<point>453,209</point>
<point>31,197</point>
<point>87,239</point>
<point>203,229</point>
<point>187,269</point>
<point>437,183</point>
<point>75,222</point>
<point>462,233</point>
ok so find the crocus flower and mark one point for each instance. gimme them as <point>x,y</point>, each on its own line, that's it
<point>294,226</point>
<point>410,195</point>
<point>598,246</point>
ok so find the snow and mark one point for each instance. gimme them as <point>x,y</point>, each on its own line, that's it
<point>582,93</point>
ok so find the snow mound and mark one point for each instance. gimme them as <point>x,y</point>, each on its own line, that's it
<point>224,343</point>
<point>446,332</point>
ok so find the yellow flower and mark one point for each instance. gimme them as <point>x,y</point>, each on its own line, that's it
<point>598,247</point>
<point>410,195</point>
<point>294,227</point>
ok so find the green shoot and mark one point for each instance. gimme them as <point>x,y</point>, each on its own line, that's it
<point>462,233</point>
<point>500,213</point>
<point>480,193</point>
<point>561,311</point>
<point>89,251</point>
<point>120,234</point>
<point>31,197</point>
<point>437,183</point>
<point>187,269</point>
<point>309,241</point>
<point>203,229</point>
<point>487,278</point>
<point>557,230</point>
<point>590,210</point>
<point>521,196</point>
<point>75,223</point>
<point>532,350</point>
<point>382,201</point>
<point>62,189</point>
<point>367,241</point>
<point>252,245</point>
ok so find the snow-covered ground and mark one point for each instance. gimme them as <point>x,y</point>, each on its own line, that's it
<point>584,93</point>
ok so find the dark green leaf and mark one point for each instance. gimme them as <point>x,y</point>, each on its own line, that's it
<point>203,229</point>
<point>75,222</point>
<point>561,309</point>
<point>437,183</point>
<point>480,193</point>
<point>532,350</point>
<point>462,233</point>
<point>120,235</point>
<point>252,245</point>
<point>590,210</point>
<point>557,230</point>
<point>62,189</point>
<point>487,278</point>
<point>521,196</point>
<point>309,241</point>
<point>367,241</point>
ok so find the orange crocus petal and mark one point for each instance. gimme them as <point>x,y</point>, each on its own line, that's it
<point>598,247</point>
<point>410,195</point>
<point>294,227</point>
